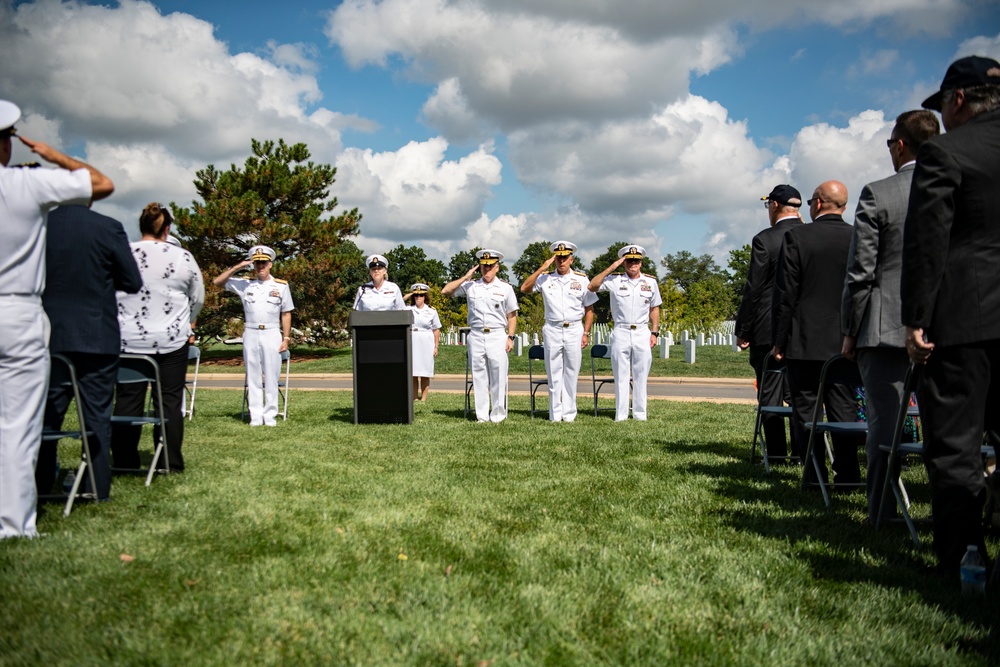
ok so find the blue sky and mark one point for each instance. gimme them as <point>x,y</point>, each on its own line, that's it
<point>494,122</point>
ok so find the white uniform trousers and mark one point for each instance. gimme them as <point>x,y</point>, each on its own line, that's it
<point>24,382</point>
<point>630,351</point>
<point>260,354</point>
<point>489,362</point>
<point>562,366</point>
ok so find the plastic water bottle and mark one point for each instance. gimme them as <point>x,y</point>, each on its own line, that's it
<point>973,571</point>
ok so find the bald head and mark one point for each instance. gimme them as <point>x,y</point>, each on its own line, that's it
<point>829,197</point>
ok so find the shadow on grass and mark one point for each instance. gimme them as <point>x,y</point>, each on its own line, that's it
<point>345,415</point>
<point>775,506</point>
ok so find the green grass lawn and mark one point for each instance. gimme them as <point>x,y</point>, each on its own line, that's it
<point>712,361</point>
<point>447,542</point>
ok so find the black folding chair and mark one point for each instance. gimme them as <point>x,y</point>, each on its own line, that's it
<point>286,360</point>
<point>140,368</point>
<point>468,384</point>
<point>780,411</point>
<point>836,370</point>
<point>893,480</point>
<point>600,352</point>
<point>535,353</point>
<point>62,373</point>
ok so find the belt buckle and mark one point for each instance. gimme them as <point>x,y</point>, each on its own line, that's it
<point>261,326</point>
<point>633,327</point>
<point>565,325</point>
<point>486,330</point>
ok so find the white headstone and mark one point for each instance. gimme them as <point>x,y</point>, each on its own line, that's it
<point>664,348</point>
<point>689,346</point>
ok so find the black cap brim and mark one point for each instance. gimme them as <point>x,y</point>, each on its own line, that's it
<point>934,101</point>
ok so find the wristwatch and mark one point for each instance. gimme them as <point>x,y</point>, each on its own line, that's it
<point>511,337</point>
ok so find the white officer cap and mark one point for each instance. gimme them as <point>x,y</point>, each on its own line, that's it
<point>9,114</point>
<point>377,260</point>
<point>261,253</point>
<point>563,248</point>
<point>632,251</point>
<point>419,288</point>
<point>488,256</point>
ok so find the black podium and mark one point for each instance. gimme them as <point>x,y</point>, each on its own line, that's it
<point>383,367</point>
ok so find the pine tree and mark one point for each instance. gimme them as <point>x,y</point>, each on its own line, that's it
<point>280,199</point>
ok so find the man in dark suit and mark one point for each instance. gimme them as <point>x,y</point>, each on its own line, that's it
<point>806,322</point>
<point>951,297</point>
<point>753,320</point>
<point>88,258</point>
<point>871,318</point>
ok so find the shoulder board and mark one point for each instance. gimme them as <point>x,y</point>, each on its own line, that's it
<point>580,273</point>
<point>280,281</point>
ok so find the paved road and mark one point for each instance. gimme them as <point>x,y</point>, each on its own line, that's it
<point>717,390</point>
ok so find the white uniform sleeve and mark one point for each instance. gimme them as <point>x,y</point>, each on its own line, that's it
<point>286,299</point>
<point>436,323</point>
<point>510,301</point>
<point>398,303</point>
<point>52,187</point>
<point>606,283</point>
<point>463,289</point>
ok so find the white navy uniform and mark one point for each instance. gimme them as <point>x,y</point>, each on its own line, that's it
<point>565,298</point>
<point>387,297</point>
<point>425,323</point>
<point>26,196</point>
<point>488,306</point>
<point>631,301</point>
<point>263,304</point>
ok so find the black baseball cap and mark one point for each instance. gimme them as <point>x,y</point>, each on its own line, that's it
<point>785,195</point>
<point>965,73</point>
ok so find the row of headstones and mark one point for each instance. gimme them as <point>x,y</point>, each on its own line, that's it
<point>601,335</point>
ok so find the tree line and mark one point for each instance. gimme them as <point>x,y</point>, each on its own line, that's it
<point>280,198</point>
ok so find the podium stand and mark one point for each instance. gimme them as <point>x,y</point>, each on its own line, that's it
<point>383,367</point>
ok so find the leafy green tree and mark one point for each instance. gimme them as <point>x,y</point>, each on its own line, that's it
<point>685,269</point>
<point>281,199</point>
<point>739,268</point>
<point>706,304</point>
<point>532,258</point>
<point>408,265</point>
<point>602,309</point>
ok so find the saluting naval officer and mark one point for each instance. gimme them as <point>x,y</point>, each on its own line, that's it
<point>635,309</point>
<point>569,314</point>
<point>267,304</point>
<point>26,197</point>
<point>492,306</point>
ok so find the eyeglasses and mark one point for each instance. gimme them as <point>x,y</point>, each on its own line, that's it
<point>376,265</point>
<point>767,203</point>
<point>633,260</point>
<point>814,199</point>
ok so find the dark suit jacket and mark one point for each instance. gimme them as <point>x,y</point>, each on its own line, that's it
<point>805,310</point>
<point>870,308</point>
<point>87,258</point>
<point>753,320</point>
<point>951,254</point>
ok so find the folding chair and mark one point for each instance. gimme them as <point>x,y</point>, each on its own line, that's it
<point>468,386</point>
<point>136,368</point>
<point>782,411</point>
<point>191,386</point>
<point>893,471</point>
<point>599,352</point>
<point>535,353</point>
<point>836,370</point>
<point>286,360</point>
<point>62,373</point>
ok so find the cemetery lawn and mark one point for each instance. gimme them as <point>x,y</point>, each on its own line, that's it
<point>715,361</point>
<point>447,542</point>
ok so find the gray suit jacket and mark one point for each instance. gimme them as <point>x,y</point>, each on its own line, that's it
<point>870,309</point>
